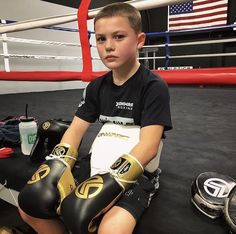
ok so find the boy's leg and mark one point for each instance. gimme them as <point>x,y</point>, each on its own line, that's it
<point>117,221</point>
<point>43,226</point>
<point>122,218</point>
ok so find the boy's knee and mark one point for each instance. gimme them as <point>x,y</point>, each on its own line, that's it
<point>52,226</point>
<point>105,228</point>
<point>27,218</point>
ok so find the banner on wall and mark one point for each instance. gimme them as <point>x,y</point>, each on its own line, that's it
<point>197,14</point>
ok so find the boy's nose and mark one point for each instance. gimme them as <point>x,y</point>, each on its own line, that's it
<point>109,45</point>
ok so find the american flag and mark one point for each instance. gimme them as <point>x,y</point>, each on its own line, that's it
<point>197,14</point>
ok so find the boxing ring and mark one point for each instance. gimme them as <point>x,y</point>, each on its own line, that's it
<point>203,138</point>
<point>196,76</point>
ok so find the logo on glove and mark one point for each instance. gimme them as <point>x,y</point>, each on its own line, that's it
<point>121,166</point>
<point>60,150</point>
<point>46,125</point>
<point>90,188</point>
<point>42,172</point>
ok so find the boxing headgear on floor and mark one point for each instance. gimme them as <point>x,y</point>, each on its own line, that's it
<point>214,195</point>
<point>230,210</point>
<point>209,192</point>
<point>49,135</point>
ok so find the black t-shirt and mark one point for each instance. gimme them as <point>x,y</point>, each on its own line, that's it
<point>142,100</point>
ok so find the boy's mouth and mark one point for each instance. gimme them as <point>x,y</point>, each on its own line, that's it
<point>110,57</point>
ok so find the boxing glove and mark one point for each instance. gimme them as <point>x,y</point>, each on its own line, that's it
<point>49,134</point>
<point>99,193</point>
<point>51,183</point>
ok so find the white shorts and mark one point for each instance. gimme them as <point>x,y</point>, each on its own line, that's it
<point>113,141</point>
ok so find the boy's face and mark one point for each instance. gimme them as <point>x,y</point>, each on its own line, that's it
<point>117,43</point>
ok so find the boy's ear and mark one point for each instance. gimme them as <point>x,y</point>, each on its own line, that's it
<point>141,40</point>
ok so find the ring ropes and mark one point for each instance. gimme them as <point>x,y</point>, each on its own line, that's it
<point>226,76</point>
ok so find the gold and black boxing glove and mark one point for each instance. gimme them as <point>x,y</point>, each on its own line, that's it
<point>96,195</point>
<point>49,134</point>
<point>51,183</point>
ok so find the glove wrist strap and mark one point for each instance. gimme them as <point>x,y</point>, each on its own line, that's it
<point>126,170</point>
<point>65,153</point>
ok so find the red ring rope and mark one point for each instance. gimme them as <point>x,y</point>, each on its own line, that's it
<point>198,76</point>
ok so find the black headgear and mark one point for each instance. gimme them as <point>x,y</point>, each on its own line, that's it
<point>209,191</point>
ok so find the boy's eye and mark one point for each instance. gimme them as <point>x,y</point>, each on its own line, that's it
<point>119,36</point>
<point>100,39</point>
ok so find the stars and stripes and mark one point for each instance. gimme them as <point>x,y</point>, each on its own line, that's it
<point>197,14</point>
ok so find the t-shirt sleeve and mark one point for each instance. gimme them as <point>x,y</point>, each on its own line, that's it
<point>156,105</point>
<point>88,106</point>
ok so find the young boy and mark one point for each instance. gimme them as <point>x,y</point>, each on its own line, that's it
<point>129,96</point>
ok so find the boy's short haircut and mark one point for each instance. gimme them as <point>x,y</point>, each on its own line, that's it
<point>122,9</point>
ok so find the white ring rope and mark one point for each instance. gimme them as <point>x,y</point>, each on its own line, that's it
<point>57,43</point>
<point>153,49</point>
<point>55,20</point>
<point>32,56</point>
<point>147,48</point>
<point>38,42</point>
<point>203,55</point>
<point>192,43</point>
<point>190,56</point>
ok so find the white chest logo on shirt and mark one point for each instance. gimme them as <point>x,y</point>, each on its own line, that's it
<point>124,105</point>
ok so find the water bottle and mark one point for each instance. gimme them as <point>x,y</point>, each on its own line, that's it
<point>28,134</point>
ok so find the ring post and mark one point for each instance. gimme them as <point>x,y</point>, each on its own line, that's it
<point>82,16</point>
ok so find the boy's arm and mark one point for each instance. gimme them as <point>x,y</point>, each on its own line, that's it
<point>75,132</point>
<point>147,148</point>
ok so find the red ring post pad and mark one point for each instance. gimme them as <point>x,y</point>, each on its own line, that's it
<point>6,152</point>
<point>82,16</point>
